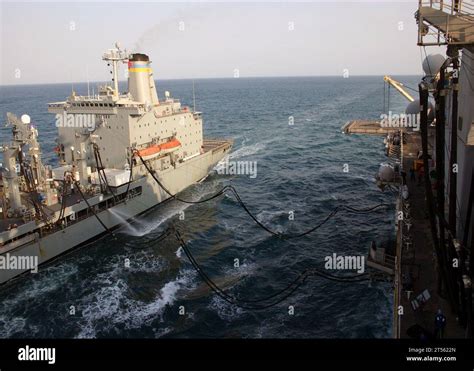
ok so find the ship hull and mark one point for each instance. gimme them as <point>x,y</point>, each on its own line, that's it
<point>175,179</point>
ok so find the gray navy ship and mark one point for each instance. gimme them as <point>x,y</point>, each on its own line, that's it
<point>111,146</point>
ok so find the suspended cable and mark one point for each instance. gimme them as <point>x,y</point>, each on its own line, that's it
<point>261,303</point>
<point>130,177</point>
<point>250,304</point>
<point>101,168</point>
<point>280,235</point>
<point>152,173</point>
<point>78,187</point>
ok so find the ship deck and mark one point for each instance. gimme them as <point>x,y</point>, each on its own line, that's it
<point>5,224</point>
<point>416,276</point>
<point>75,197</point>
<point>418,268</point>
<point>216,144</point>
<point>371,127</point>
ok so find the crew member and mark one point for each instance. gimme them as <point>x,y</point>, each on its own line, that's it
<point>440,324</point>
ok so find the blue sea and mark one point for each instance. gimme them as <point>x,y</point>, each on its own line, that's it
<point>90,293</point>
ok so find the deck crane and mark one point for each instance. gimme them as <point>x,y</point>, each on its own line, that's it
<point>399,86</point>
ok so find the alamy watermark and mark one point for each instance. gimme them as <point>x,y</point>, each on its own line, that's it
<point>76,120</point>
<point>238,168</point>
<point>20,262</point>
<point>28,353</point>
<point>348,262</point>
<point>402,120</point>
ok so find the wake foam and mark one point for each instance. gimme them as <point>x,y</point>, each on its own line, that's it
<point>245,151</point>
<point>110,307</point>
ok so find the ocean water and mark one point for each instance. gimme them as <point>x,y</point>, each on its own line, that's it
<point>299,168</point>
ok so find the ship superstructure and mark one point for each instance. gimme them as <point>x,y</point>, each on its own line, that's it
<point>431,262</point>
<point>102,140</point>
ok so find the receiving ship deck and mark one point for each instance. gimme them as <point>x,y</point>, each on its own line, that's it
<point>415,280</point>
<point>371,127</point>
<point>414,271</point>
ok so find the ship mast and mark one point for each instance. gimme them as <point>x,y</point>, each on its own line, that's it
<point>113,56</point>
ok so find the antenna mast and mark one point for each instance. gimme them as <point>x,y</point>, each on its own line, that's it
<point>114,56</point>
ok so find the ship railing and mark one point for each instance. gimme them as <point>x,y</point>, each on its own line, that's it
<point>445,22</point>
<point>462,7</point>
<point>87,212</point>
<point>216,140</point>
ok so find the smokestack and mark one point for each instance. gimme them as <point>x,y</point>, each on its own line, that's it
<point>140,79</point>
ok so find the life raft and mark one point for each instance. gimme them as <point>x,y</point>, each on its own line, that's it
<point>159,149</point>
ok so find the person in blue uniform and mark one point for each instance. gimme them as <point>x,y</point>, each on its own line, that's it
<point>440,324</point>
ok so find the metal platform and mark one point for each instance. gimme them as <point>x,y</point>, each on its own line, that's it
<point>371,127</point>
<point>445,23</point>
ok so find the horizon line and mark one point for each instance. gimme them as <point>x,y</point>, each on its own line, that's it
<point>209,78</point>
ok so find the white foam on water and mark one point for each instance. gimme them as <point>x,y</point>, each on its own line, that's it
<point>233,226</point>
<point>385,311</point>
<point>141,261</point>
<point>267,216</point>
<point>225,310</point>
<point>159,332</point>
<point>247,150</point>
<point>220,166</point>
<point>11,326</point>
<point>366,178</point>
<point>110,307</point>
<point>50,279</point>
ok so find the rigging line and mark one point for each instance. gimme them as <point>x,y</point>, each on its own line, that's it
<point>76,183</point>
<point>338,277</point>
<point>384,93</point>
<point>102,168</point>
<point>224,296</point>
<point>131,176</point>
<point>209,281</point>
<point>427,60</point>
<point>235,301</point>
<point>421,59</point>
<point>410,88</point>
<point>152,173</point>
<point>345,278</point>
<point>366,210</point>
<point>98,168</point>
<point>32,189</point>
<point>279,234</point>
<point>388,98</point>
<point>252,216</point>
<point>291,236</point>
<point>232,300</point>
<point>63,202</point>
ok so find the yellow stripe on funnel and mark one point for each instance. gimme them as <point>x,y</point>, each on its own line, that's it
<point>141,69</point>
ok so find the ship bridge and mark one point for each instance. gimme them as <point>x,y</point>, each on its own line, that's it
<point>445,22</point>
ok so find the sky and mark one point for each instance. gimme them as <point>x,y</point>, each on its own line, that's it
<point>46,42</point>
